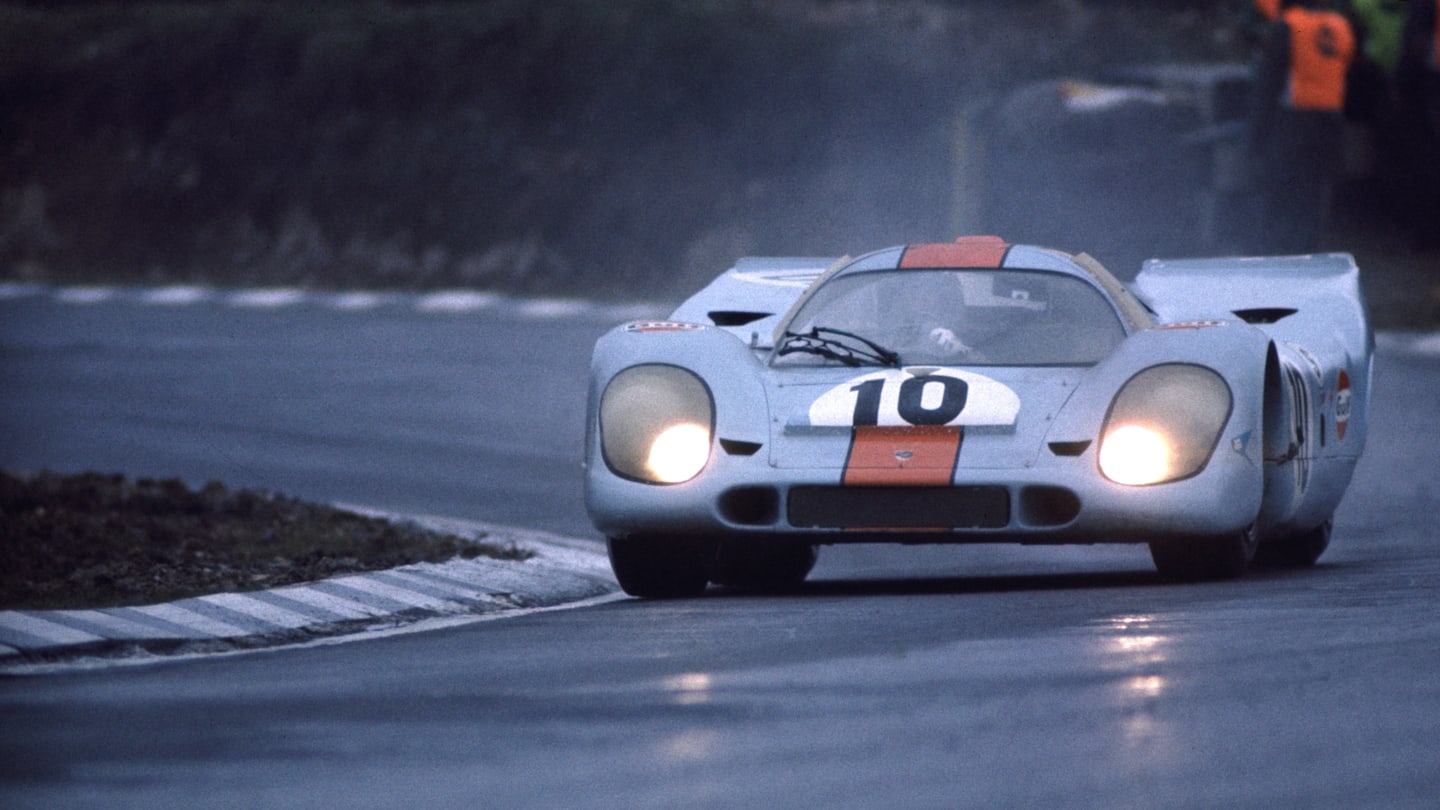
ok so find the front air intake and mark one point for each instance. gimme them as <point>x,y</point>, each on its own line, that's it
<point>751,506</point>
<point>1042,507</point>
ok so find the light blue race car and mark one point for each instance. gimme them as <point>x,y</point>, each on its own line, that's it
<point>978,391</point>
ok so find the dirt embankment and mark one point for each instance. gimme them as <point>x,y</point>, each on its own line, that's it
<point>567,147</point>
<point>95,540</point>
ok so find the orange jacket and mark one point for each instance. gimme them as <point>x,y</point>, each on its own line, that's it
<point>1321,47</point>
<point>1269,9</point>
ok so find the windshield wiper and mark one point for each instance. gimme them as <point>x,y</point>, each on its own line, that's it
<point>818,341</point>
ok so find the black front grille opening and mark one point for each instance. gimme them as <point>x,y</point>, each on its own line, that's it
<point>920,508</point>
<point>1048,506</point>
<point>751,506</point>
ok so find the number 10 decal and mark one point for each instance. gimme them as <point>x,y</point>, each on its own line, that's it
<point>918,403</point>
<point>899,398</point>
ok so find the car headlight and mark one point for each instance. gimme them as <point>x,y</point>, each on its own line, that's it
<point>1164,424</point>
<point>655,424</point>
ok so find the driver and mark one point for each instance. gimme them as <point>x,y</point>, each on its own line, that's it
<point>933,323</point>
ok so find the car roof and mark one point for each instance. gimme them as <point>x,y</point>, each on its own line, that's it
<point>977,252</point>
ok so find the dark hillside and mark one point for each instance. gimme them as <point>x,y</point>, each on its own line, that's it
<point>571,146</point>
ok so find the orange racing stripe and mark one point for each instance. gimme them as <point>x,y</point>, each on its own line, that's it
<point>903,456</point>
<point>919,455</point>
<point>967,251</point>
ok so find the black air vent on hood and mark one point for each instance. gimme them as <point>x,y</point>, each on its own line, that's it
<point>727,317</point>
<point>1262,315</point>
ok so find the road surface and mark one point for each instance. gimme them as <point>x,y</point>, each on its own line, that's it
<point>920,677</point>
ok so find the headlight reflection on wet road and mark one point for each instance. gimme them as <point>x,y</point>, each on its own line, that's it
<point>1137,653</point>
<point>688,689</point>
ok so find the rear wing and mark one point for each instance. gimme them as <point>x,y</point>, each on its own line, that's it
<point>1314,299</point>
<point>1317,389</point>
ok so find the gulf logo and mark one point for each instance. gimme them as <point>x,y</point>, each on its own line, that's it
<point>1342,405</point>
<point>1182,325</point>
<point>662,326</point>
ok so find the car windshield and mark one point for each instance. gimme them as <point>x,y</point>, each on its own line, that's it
<point>962,317</point>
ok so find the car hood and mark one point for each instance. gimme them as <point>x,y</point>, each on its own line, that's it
<point>1004,412</point>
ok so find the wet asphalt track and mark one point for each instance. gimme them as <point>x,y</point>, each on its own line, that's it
<point>926,677</point>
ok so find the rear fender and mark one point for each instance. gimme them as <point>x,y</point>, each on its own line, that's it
<point>1314,427</point>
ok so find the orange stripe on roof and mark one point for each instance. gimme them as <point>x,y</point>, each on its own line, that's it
<point>902,456</point>
<point>967,251</point>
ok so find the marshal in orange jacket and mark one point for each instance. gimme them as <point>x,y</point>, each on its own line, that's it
<point>1321,47</point>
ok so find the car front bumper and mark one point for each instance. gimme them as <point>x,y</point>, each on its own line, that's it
<point>1056,500</point>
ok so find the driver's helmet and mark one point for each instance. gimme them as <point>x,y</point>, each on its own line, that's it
<point>925,298</point>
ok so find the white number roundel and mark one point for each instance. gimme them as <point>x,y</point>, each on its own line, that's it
<point>898,397</point>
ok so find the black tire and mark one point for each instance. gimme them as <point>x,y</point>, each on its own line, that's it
<point>762,565</point>
<point>1300,550</point>
<point>1205,559</point>
<point>659,567</point>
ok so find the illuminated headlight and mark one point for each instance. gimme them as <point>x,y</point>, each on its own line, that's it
<point>1164,425</point>
<point>655,424</point>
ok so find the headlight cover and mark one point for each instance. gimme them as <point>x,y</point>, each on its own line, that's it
<point>1164,424</point>
<point>656,423</point>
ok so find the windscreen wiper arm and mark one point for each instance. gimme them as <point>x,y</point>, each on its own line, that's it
<point>818,341</point>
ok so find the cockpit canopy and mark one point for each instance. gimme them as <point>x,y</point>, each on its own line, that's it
<point>1010,317</point>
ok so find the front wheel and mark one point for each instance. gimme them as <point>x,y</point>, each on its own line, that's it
<point>1296,550</point>
<point>762,565</point>
<point>659,567</point>
<point>1205,559</point>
